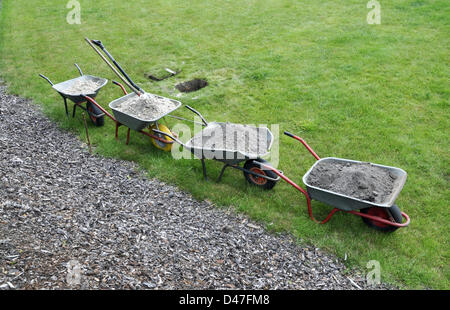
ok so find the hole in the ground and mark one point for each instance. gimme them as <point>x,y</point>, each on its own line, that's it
<point>192,85</point>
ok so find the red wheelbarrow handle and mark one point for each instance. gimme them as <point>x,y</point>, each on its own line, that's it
<point>100,107</point>
<point>287,133</point>
<point>121,86</point>
<point>381,220</point>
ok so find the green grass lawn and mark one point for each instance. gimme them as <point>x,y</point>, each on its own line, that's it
<point>377,93</point>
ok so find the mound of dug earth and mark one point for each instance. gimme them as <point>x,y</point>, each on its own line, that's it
<point>147,106</point>
<point>233,137</point>
<point>358,180</point>
<point>82,87</point>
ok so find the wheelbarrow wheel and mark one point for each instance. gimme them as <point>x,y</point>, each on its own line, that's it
<point>93,110</point>
<point>159,144</point>
<point>392,214</point>
<point>256,180</point>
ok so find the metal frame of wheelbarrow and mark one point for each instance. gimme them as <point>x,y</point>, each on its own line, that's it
<point>226,160</point>
<point>77,99</point>
<point>336,209</point>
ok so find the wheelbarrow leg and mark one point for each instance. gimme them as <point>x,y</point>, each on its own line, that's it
<point>117,130</point>
<point>74,110</point>
<point>204,169</point>
<point>221,172</point>
<point>128,136</point>
<point>65,105</point>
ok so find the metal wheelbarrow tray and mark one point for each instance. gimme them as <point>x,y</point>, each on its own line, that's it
<point>62,87</point>
<point>262,178</point>
<point>229,155</point>
<point>133,122</point>
<point>384,216</point>
<point>348,203</point>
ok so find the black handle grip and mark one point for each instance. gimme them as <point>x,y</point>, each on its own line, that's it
<point>98,43</point>
<point>287,133</point>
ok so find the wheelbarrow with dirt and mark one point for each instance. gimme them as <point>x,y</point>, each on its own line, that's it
<point>380,213</point>
<point>76,89</point>
<point>232,144</point>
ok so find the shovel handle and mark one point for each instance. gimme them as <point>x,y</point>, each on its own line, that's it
<point>46,78</point>
<point>90,42</point>
<point>102,47</point>
<point>170,71</point>
<point>98,43</point>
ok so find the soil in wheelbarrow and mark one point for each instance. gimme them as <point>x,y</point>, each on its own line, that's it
<point>146,106</point>
<point>82,87</point>
<point>233,137</point>
<point>358,180</point>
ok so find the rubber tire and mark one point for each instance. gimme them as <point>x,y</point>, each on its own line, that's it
<point>392,212</point>
<point>263,183</point>
<point>97,121</point>
<point>158,144</point>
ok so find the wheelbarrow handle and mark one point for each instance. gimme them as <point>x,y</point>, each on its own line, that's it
<point>121,86</point>
<point>168,135</point>
<point>46,78</point>
<point>79,70</point>
<point>198,113</point>
<point>287,133</point>
<point>91,100</point>
<point>266,166</point>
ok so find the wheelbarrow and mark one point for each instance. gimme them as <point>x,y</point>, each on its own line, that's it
<point>63,88</point>
<point>132,121</point>
<point>232,158</point>
<point>385,216</point>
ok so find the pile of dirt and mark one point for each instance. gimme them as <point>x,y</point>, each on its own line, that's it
<point>233,137</point>
<point>82,87</point>
<point>358,180</point>
<point>147,106</point>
